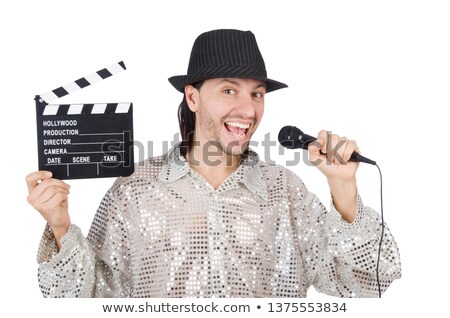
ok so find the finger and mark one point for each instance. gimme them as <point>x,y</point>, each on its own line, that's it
<point>351,147</point>
<point>315,156</point>
<point>34,195</point>
<point>43,185</point>
<point>33,178</point>
<point>37,200</point>
<point>316,145</point>
<point>340,149</point>
<point>52,201</point>
<point>333,145</point>
<point>50,192</point>
<point>56,201</point>
<point>323,137</point>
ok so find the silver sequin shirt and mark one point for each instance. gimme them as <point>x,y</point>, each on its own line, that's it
<point>166,232</point>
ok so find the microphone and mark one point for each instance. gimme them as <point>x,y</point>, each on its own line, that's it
<point>292,138</point>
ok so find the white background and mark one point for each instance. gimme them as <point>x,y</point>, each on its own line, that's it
<point>375,71</point>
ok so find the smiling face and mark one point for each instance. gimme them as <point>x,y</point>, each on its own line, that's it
<point>228,111</point>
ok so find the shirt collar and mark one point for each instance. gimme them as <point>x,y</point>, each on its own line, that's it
<point>248,173</point>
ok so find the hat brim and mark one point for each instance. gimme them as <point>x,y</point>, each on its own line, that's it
<point>180,81</point>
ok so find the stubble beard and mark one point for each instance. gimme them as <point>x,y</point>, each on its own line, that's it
<point>212,130</point>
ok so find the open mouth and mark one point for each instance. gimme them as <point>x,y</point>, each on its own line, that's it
<point>237,129</point>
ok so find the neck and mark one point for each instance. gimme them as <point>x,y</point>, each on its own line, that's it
<point>214,164</point>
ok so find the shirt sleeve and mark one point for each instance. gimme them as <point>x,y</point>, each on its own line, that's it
<point>96,266</point>
<point>340,258</point>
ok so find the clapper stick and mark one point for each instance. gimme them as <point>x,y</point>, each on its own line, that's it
<point>83,82</point>
<point>78,141</point>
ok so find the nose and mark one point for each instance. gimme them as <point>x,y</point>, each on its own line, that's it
<point>245,106</point>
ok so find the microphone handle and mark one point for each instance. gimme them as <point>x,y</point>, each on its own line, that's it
<point>355,157</point>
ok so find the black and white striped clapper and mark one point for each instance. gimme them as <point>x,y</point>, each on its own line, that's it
<point>77,141</point>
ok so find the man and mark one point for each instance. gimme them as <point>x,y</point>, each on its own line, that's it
<point>208,219</point>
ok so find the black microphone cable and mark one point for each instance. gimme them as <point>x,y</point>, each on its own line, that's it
<point>382,232</point>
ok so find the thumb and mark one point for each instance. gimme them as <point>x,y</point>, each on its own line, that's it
<point>316,145</point>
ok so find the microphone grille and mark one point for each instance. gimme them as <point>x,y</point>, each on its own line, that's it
<point>288,136</point>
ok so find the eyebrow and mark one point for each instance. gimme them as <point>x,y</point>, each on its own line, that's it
<point>261,84</point>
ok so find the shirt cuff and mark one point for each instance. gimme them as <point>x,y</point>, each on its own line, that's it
<point>48,249</point>
<point>360,224</point>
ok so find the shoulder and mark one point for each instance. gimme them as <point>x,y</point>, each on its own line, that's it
<point>145,173</point>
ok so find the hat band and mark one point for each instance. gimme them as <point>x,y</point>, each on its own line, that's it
<point>242,71</point>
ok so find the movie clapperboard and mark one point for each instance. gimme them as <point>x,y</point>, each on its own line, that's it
<point>77,141</point>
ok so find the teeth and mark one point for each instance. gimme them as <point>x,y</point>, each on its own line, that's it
<point>244,126</point>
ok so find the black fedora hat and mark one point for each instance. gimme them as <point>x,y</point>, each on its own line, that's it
<point>225,53</point>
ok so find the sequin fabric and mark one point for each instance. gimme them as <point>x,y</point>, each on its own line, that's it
<point>166,232</point>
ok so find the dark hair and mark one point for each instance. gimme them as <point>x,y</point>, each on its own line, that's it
<point>186,120</point>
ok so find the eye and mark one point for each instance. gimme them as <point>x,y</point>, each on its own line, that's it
<point>229,91</point>
<point>258,94</point>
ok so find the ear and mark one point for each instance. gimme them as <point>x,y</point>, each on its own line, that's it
<point>192,97</point>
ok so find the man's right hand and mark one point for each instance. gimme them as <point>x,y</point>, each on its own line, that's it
<point>50,198</point>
